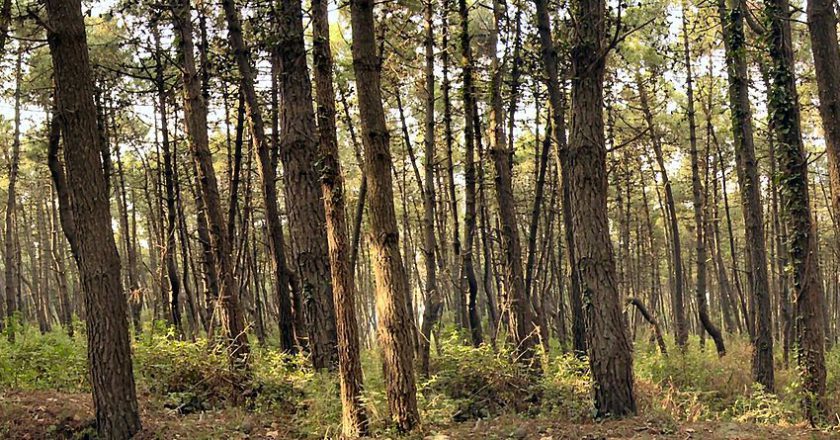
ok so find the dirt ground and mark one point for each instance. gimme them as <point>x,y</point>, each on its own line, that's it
<point>52,415</point>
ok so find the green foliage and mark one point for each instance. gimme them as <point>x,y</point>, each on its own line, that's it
<point>567,388</point>
<point>480,381</point>
<point>190,375</point>
<point>41,362</point>
<point>759,406</point>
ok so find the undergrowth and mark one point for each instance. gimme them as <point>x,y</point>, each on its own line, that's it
<point>465,383</point>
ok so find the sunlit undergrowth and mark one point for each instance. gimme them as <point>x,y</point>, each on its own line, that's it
<point>466,383</point>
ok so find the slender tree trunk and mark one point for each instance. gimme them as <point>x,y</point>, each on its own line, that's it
<point>610,353</point>
<point>354,414</point>
<point>732,22</point>
<point>472,134</point>
<point>12,265</point>
<point>681,327</point>
<point>86,220</point>
<point>434,302</point>
<point>548,52</point>
<point>269,190</point>
<point>391,282</point>
<point>195,119</point>
<point>699,200</point>
<point>802,246</point>
<point>522,328</point>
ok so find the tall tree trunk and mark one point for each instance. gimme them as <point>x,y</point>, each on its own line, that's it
<point>168,250</point>
<point>522,328</point>
<point>732,22</point>
<point>354,415</point>
<point>86,220</point>
<point>793,173</point>
<point>298,150</point>
<point>610,353</point>
<point>268,174</point>
<point>822,24</point>
<point>391,283</point>
<point>548,52</point>
<point>681,327</point>
<point>699,200</point>
<point>195,119</point>
<point>12,266</point>
<point>433,302</point>
<point>472,135</point>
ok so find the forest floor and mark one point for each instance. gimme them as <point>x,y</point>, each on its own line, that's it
<point>56,415</point>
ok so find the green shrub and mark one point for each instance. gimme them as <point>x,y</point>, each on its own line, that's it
<point>759,406</point>
<point>51,361</point>
<point>480,382</point>
<point>567,388</point>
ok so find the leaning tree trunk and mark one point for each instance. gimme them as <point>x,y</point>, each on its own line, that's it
<point>522,329</point>
<point>392,288</point>
<point>732,23</point>
<point>354,415</point>
<point>86,220</point>
<point>699,202</point>
<point>610,353</point>
<point>195,118</point>
<point>793,174</point>
<point>268,176</point>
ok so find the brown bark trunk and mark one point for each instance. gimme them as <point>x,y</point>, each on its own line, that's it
<point>522,327</point>
<point>269,189</point>
<point>354,415</point>
<point>660,341</point>
<point>822,24</point>
<point>741,116</point>
<point>802,246</point>
<point>298,150</point>
<point>12,265</point>
<point>86,220</point>
<point>680,324</point>
<point>699,201</point>
<point>195,119</point>
<point>391,282</point>
<point>610,353</point>
<point>433,302</point>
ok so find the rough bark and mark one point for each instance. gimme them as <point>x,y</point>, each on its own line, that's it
<point>522,328</point>
<point>793,174</point>
<point>732,22</point>
<point>86,220</point>
<point>391,282</point>
<point>228,307</point>
<point>269,190</point>
<point>434,301</point>
<point>822,24</point>
<point>354,415</point>
<point>610,352</point>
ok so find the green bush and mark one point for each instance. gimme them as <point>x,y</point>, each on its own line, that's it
<point>51,361</point>
<point>481,382</point>
<point>567,388</point>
